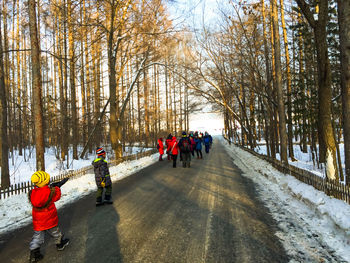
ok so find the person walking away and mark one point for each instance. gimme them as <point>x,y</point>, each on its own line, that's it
<point>160,148</point>
<point>198,147</point>
<point>44,214</point>
<point>102,178</point>
<point>168,143</point>
<point>185,149</point>
<point>174,150</point>
<point>206,140</point>
<point>193,144</point>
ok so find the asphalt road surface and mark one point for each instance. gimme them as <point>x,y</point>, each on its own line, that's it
<point>206,213</point>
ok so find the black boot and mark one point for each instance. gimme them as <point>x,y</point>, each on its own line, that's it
<point>35,255</point>
<point>108,200</point>
<point>99,201</point>
<point>63,244</point>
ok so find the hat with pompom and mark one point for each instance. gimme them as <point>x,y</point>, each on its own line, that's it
<point>100,151</point>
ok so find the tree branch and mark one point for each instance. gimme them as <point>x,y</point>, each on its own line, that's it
<point>305,8</point>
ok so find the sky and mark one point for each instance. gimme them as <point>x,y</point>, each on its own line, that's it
<point>311,226</point>
<point>190,12</point>
<point>211,122</point>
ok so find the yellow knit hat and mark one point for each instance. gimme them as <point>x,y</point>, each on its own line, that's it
<point>40,178</point>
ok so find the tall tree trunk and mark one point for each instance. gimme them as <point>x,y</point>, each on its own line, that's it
<point>344,34</point>
<point>35,56</point>
<point>139,118</point>
<point>5,175</point>
<point>289,85</point>
<point>74,124</point>
<point>268,121</point>
<point>67,138</point>
<point>18,58</point>
<point>88,80</point>
<point>114,133</point>
<point>325,129</point>
<point>302,105</point>
<point>82,75</point>
<point>63,99</point>
<point>166,96</point>
<point>146,105</point>
<point>280,100</point>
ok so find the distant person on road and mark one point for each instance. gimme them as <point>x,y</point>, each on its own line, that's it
<point>174,150</point>
<point>160,148</point>
<point>102,178</point>
<point>44,213</point>
<point>168,142</point>
<point>193,144</point>
<point>185,148</point>
<point>206,140</point>
<point>198,141</point>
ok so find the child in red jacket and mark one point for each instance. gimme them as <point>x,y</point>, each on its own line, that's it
<point>44,213</point>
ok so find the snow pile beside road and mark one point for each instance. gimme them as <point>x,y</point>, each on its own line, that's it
<point>314,226</point>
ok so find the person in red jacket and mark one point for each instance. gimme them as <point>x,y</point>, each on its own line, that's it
<point>160,148</point>
<point>44,213</point>
<point>174,150</point>
<point>168,142</point>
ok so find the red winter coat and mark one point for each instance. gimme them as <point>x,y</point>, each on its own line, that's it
<point>168,143</point>
<point>161,146</point>
<point>44,212</point>
<point>174,147</point>
<point>193,144</point>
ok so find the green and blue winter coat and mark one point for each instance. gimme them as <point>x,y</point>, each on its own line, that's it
<point>101,172</point>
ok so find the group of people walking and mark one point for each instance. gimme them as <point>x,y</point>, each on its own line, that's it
<point>186,146</point>
<point>44,195</point>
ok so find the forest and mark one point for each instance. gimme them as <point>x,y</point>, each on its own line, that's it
<point>77,74</point>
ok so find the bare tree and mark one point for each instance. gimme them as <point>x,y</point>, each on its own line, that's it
<point>37,93</point>
<point>344,34</point>
<point>5,175</point>
<point>326,136</point>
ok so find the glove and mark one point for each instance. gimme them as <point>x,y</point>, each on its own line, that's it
<point>103,184</point>
<point>60,183</point>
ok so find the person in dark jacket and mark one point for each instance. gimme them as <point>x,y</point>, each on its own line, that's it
<point>198,141</point>
<point>44,213</point>
<point>185,149</point>
<point>206,140</point>
<point>102,178</point>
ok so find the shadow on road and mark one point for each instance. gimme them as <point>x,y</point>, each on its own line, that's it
<point>102,242</point>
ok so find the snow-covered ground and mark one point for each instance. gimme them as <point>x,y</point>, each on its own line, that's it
<point>21,171</point>
<point>303,160</point>
<point>312,226</point>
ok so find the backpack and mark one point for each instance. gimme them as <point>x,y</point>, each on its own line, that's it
<point>185,146</point>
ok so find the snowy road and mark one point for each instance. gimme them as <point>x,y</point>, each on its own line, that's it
<point>208,213</point>
<point>212,212</point>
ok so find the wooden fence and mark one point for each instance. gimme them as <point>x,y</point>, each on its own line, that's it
<point>25,187</point>
<point>329,187</point>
